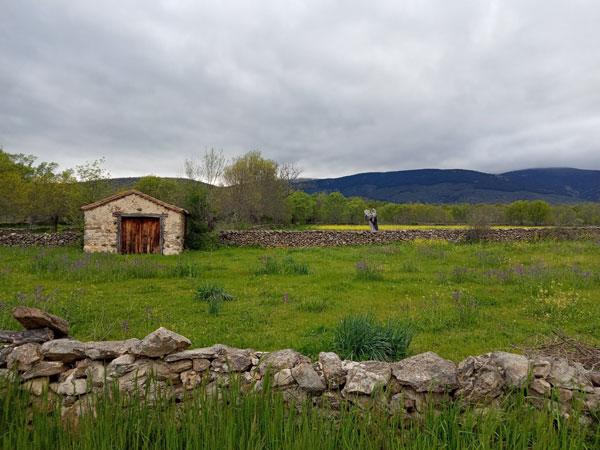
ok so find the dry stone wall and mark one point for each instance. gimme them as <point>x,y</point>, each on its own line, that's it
<point>333,238</point>
<point>24,238</point>
<point>43,360</point>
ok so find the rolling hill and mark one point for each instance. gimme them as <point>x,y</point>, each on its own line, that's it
<point>555,185</point>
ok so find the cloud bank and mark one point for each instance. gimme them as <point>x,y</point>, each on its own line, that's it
<point>336,86</point>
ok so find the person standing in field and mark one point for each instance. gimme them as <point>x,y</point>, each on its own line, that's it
<point>371,217</point>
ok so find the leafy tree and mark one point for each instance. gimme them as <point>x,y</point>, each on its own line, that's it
<point>538,212</point>
<point>255,193</point>
<point>53,196</point>
<point>301,206</point>
<point>165,189</point>
<point>516,212</point>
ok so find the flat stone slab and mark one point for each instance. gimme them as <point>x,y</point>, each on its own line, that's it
<point>426,372</point>
<point>33,318</point>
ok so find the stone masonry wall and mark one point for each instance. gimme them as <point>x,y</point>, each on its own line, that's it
<point>333,238</point>
<point>44,358</point>
<point>101,225</point>
<point>25,238</point>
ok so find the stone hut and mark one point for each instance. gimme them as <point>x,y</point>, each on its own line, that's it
<point>133,222</point>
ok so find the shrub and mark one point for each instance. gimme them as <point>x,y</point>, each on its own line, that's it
<point>213,292</point>
<point>361,337</point>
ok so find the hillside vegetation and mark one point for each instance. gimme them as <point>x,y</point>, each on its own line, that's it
<point>555,185</point>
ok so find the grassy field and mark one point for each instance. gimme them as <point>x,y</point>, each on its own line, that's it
<point>461,298</point>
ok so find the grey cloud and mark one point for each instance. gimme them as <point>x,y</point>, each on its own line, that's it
<point>337,86</point>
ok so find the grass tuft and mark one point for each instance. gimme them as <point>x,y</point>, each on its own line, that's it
<point>361,338</point>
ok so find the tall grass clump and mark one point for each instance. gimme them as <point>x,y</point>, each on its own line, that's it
<point>214,295</point>
<point>263,420</point>
<point>361,337</point>
<point>211,291</point>
<point>368,271</point>
<point>269,265</point>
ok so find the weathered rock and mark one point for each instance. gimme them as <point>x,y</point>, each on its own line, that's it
<point>366,376</point>
<point>4,352</point>
<point>515,367</point>
<point>281,359</point>
<point>283,378</point>
<point>109,349</point>
<point>540,367</point>
<point>190,379</point>
<point>200,365</point>
<point>93,370</point>
<point>595,378</point>
<point>479,379</point>
<point>33,318</point>
<point>120,366</point>
<point>233,360</point>
<point>181,365</point>
<point>23,337</point>
<point>540,386</point>
<point>24,357</point>
<point>426,372</point>
<point>570,376</point>
<point>65,350</point>
<point>202,353</point>
<point>160,343</point>
<point>307,378</point>
<point>334,373</point>
<point>44,369</point>
<point>37,386</point>
<point>71,386</point>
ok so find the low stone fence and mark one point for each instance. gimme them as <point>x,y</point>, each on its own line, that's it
<point>26,238</point>
<point>44,359</point>
<point>334,238</point>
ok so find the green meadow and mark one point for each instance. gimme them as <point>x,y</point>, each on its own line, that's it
<point>461,299</point>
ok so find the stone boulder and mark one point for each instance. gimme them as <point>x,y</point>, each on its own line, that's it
<point>281,359</point>
<point>198,353</point>
<point>283,378</point>
<point>233,360</point>
<point>120,366</point>
<point>426,372</point>
<point>334,373</point>
<point>160,343</point>
<point>109,349</point>
<point>65,350</point>
<point>515,368</point>
<point>366,376</point>
<point>44,369</point>
<point>24,357</point>
<point>568,375</point>
<point>307,378</point>
<point>479,379</point>
<point>33,318</point>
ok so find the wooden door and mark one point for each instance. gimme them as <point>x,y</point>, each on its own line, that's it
<point>140,235</point>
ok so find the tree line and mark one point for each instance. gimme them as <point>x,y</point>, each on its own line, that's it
<point>247,191</point>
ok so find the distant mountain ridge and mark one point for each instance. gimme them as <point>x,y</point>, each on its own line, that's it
<point>555,185</point>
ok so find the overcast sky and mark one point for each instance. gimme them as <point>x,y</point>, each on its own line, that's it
<point>336,86</point>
